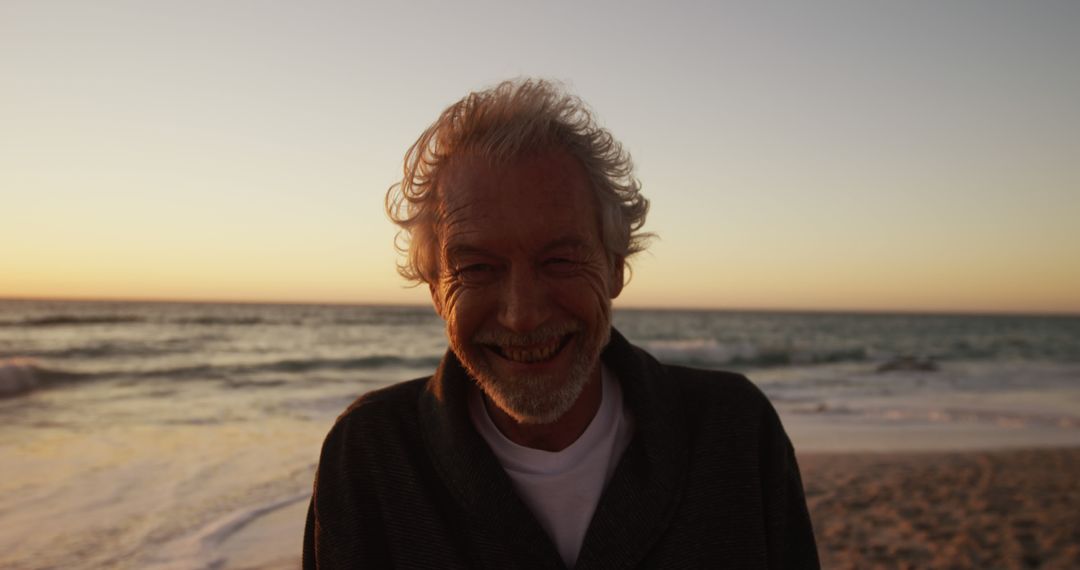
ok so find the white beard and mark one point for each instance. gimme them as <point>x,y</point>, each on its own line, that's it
<point>539,398</point>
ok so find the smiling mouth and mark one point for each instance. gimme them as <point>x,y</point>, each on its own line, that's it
<point>533,353</point>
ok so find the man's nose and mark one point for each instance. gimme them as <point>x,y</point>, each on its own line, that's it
<point>524,304</point>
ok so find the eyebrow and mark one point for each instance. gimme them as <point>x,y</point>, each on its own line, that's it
<point>461,250</point>
<point>565,242</point>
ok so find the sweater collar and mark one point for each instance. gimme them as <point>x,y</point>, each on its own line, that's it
<point>640,497</point>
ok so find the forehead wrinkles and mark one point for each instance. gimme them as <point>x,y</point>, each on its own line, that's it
<point>452,207</point>
<point>452,218</point>
<point>474,192</point>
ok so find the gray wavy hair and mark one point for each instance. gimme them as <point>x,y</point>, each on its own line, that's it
<point>502,123</point>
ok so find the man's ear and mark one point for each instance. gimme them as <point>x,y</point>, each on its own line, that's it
<point>436,299</point>
<point>618,265</point>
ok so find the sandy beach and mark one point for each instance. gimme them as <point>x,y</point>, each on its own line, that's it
<point>998,509</point>
<point>986,510</point>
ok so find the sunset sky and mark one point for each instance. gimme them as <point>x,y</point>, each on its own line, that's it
<point>861,155</point>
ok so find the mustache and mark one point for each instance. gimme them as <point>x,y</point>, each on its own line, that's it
<point>538,336</point>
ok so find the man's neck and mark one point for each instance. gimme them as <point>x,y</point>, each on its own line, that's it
<point>557,435</point>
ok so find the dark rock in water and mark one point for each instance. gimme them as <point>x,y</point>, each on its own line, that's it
<point>910,363</point>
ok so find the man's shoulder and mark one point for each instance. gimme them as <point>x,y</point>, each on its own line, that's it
<point>385,403</point>
<point>717,391</point>
<point>387,397</point>
<point>699,381</point>
<point>724,404</point>
<point>695,388</point>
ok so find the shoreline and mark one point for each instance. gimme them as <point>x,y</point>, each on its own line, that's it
<point>815,435</point>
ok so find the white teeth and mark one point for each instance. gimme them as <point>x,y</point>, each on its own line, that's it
<point>531,354</point>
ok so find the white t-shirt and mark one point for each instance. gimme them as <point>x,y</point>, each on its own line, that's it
<point>562,488</point>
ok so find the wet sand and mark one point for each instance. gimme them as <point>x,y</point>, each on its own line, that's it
<point>998,509</point>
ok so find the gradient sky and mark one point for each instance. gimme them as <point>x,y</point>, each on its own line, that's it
<point>865,155</point>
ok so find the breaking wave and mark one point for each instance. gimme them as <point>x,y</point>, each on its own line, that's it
<point>377,318</point>
<point>292,366</point>
<point>63,320</point>
<point>708,353</point>
<point>72,320</point>
<point>210,320</point>
<point>21,375</point>
<point>113,349</point>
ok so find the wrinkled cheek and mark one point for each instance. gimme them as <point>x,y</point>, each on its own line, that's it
<point>449,295</point>
<point>603,307</point>
<point>600,292</point>
<point>452,310</point>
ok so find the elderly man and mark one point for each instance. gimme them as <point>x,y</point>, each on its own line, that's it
<point>545,439</point>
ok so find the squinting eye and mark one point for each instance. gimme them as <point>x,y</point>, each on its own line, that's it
<point>560,265</point>
<point>475,273</point>
<point>475,268</point>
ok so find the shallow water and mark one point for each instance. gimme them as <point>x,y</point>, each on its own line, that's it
<point>143,435</point>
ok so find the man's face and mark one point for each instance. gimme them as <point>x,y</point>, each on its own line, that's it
<point>525,285</point>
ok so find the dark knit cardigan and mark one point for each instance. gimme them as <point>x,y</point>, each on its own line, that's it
<point>708,481</point>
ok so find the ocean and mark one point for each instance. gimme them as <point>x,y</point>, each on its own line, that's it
<point>186,435</point>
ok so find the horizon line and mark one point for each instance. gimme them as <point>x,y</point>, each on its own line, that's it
<point>673,308</point>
